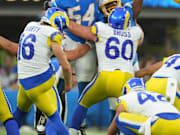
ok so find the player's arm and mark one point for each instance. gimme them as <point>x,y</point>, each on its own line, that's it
<point>8,45</point>
<point>141,40</point>
<point>113,129</point>
<point>81,31</point>
<point>149,70</point>
<point>77,52</point>
<point>61,56</point>
<point>137,7</point>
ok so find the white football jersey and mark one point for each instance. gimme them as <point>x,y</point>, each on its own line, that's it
<point>34,49</point>
<point>115,48</point>
<point>146,103</point>
<point>170,68</point>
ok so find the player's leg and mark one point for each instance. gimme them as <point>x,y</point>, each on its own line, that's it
<point>23,106</point>
<point>60,87</point>
<point>129,123</point>
<point>40,117</point>
<point>40,122</point>
<point>85,69</point>
<point>167,124</point>
<point>6,117</point>
<point>47,101</point>
<point>50,125</point>
<point>93,93</point>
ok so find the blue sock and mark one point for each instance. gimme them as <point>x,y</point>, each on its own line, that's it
<point>11,127</point>
<point>55,126</point>
<point>81,86</point>
<point>78,116</point>
<point>19,116</point>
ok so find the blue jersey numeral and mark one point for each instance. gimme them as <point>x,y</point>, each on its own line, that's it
<point>114,48</point>
<point>143,97</point>
<point>172,60</point>
<point>26,46</point>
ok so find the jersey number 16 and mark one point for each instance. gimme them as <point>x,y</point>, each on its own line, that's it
<point>26,46</point>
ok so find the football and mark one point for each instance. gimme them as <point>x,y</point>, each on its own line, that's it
<point>177,1</point>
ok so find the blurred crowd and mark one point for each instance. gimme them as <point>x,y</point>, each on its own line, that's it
<point>8,72</point>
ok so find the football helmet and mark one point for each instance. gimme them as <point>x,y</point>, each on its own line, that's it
<point>119,18</point>
<point>107,5</point>
<point>133,84</point>
<point>56,17</point>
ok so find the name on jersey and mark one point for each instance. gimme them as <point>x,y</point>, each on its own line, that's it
<point>32,29</point>
<point>122,33</point>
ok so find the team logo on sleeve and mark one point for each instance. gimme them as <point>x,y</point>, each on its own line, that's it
<point>118,101</point>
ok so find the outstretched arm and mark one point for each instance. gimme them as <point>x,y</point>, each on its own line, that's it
<point>113,129</point>
<point>81,31</point>
<point>77,52</point>
<point>8,45</point>
<point>149,70</point>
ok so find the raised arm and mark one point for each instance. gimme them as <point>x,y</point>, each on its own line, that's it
<point>137,7</point>
<point>58,52</point>
<point>8,45</point>
<point>149,70</point>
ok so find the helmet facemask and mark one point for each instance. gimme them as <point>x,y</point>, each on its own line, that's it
<point>109,5</point>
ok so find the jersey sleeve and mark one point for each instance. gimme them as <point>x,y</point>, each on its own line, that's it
<point>56,37</point>
<point>164,59</point>
<point>128,5</point>
<point>96,29</point>
<point>121,101</point>
<point>137,32</point>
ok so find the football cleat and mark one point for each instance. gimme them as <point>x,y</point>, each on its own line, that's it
<point>56,17</point>
<point>119,18</point>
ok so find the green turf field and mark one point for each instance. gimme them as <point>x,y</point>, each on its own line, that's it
<point>26,130</point>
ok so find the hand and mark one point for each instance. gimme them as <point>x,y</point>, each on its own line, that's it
<point>67,88</point>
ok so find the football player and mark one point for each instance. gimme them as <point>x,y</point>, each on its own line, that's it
<point>143,112</point>
<point>38,42</point>
<point>116,45</point>
<point>106,6</point>
<point>166,79</point>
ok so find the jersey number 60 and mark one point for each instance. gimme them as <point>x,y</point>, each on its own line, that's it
<point>113,51</point>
